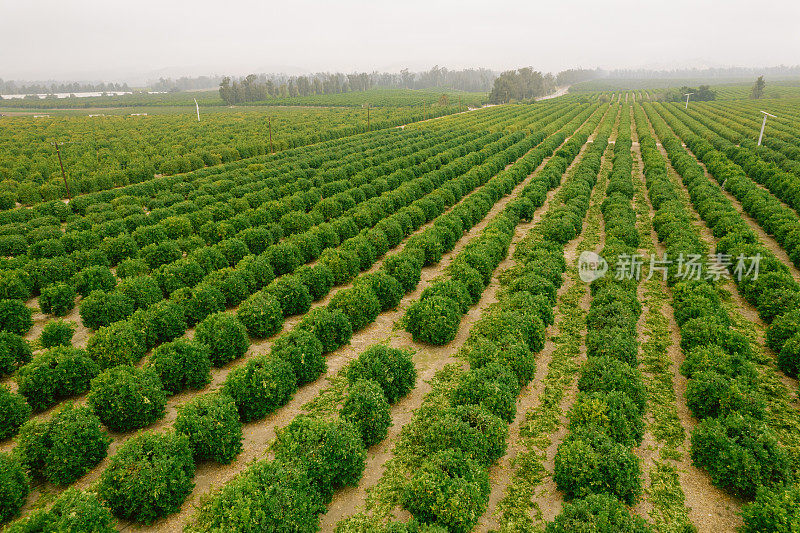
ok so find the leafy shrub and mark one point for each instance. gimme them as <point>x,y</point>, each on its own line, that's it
<point>434,320</point>
<point>774,511</point>
<point>613,413</point>
<point>386,288</point>
<point>65,447</point>
<point>260,386</point>
<point>57,333</point>
<point>181,365</point>
<point>56,374</point>
<point>508,351</point>
<point>104,308</point>
<point>72,511</point>
<point>494,387</point>
<point>332,452</point>
<point>390,368</point>
<point>303,351</point>
<point>318,279</point>
<point>261,314</point>
<point>14,487</point>
<point>15,317</point>
<point>149,477</point>
<point>283,495</point>
<point>161,322</point>
<point>613,342</point>
<point>94,278</point>
<point>448,489</point>
<point>740,454</point>
<point>402,268</point>
<point>199,302</point>
<point>225,337</point>
<point>789,356</point>
<point>601,374</point>
<point>587,463</point>
<point>130,268</point>
<point>211,422</point>
<point>14,351</point>
<point>367,409</point>
<point>473,430</point>
<point>14,411</point>
<point>359,304</point>
<point>452,289</point>
<point>121,343</point>
<point>470,278</point>
<point>142,290</point>
<point>127,398</point>
<point>782,329</point>
<point>291,294</point>
<point>597,513</point>
<point>57,299</point>
<point>712,394</point>
<point>332,328</point>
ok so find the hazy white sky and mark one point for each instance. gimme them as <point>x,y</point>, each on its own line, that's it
<point>136,39</point>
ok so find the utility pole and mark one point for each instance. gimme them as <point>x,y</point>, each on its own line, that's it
<point>198,109</point>
<point>64,175</point>
<point>271,149</point>
<point>763,124</point>
<point>687,95</point>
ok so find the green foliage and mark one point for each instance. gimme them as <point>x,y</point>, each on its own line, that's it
<point>391,368</point>
<point>331,327</point>
<point>508,351</point>
<point>388,290</point>
<point>332,452</point>
<point>15,317</point>
<point>359,304</point>
<point>14,351</point>
<point>96,278</point>
<point>181,365</point>
<point>142,290</point>
<point>597,513</point>
<point>14,411</point>
<point>104,308</point>
<point>261,385</point>
<point>291,294</point>
<point>612,413</point>
<point>404,269</point>
<point>72,511</point>
<point>592,463</point>
<point>261,314</point>
<point>303,351</point>
<point>493,387</point>
<point>318,279</point>
<point>63,448</point>
<point>14,487</point>
<point>119,343</point>
<point>268,496</point>
<point>449,489</point>
<point>57,333</point>
<point>54,375</point>
<point>367,410</point>
<point>149,477</point>
<point>789,356</point>
<point>57,299</point>
<point>211,422</point>
<point>127,398</point>
<point>224,336</point>
<point>773,511</point>
<point>602,374</point>
<point>433,320</point>
<point>740,454</point>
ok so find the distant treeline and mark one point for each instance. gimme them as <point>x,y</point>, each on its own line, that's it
<point>731,72</point>
<point>184,83</point>
<point>13,87</point>
<point>260,87</point>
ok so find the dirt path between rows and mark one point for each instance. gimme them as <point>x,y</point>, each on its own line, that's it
<point>429,360</point>
<point>710,508</point>
<point>500,475</point>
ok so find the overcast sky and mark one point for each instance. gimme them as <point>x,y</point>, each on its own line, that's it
<point>127,40</point>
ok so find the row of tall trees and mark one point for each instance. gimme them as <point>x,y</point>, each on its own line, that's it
<point>521,85</point>
<point>702,93</point>
<point>259,87</point>
<point>13,87</point>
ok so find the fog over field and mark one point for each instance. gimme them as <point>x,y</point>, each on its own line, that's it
<point>136,41</point>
